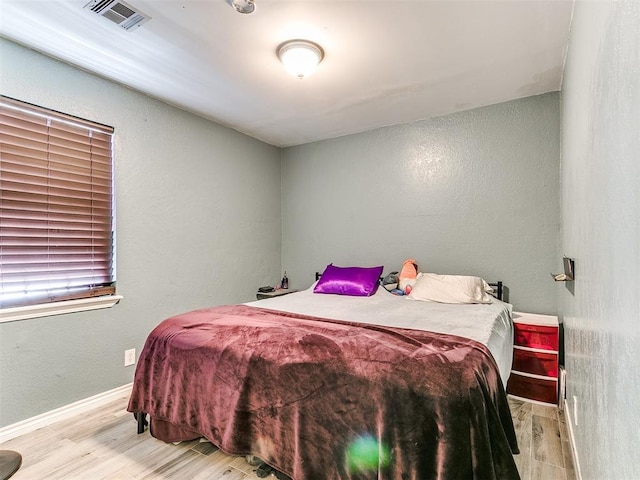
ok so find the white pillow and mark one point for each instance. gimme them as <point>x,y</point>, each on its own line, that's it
<point>431,287</point>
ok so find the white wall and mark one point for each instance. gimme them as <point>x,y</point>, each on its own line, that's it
<point>198,224</point>
<point>601,229</point>
<point>472,193</point>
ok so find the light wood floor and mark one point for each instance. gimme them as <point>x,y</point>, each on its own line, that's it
<point>103,444</point>
<point>545,453</point>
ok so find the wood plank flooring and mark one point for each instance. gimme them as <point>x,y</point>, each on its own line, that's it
<point>545,453</point>
<point>103,444</point>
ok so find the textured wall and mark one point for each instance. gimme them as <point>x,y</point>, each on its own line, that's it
<point>600,228</point>
<point>474,193</point>
<point>198,224</point>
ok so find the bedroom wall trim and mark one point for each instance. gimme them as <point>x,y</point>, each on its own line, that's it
<point>568,414</point>
<point>63,413</point>
<point>57,308</point>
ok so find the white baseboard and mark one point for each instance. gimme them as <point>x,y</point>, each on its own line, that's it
<point>568,415</point>
<point>62,413</point>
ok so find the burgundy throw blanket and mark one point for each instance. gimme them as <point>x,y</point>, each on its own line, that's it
<point>324,399</point>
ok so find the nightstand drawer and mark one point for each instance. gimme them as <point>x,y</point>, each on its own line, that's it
<point>538,363</point>
<point>542,390</point>
<point>536,336</point>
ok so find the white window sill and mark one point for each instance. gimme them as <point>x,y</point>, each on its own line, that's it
<point>58,308</point>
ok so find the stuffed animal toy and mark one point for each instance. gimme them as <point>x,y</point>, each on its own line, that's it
<point>390,282</point>
<point>408,274</point>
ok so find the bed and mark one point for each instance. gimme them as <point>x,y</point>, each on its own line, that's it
<point>337,386</point>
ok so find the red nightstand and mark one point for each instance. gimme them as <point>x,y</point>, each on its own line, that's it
<point>536,346</point>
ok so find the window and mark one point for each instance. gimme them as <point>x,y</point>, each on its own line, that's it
<point>56,206</point>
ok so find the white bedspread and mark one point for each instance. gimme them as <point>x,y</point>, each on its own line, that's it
<point>489,324</point>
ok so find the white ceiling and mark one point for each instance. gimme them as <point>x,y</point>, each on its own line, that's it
<point>386,62</point>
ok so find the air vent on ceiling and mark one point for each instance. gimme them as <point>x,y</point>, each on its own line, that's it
<point>118,12</point>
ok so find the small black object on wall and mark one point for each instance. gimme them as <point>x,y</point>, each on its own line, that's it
<point>569,271</point>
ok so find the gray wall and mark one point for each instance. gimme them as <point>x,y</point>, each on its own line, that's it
<point>601,229</point>
<point>198,224</point>
<point>472,193</point>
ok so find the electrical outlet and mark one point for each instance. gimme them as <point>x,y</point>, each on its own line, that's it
<point>575,410</point>
<point>129,357</point>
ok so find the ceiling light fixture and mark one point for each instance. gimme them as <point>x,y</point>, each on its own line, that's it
<point>243,6</point>
<point>300,57</point>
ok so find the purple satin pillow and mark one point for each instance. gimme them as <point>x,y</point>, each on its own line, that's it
<point>353,281</point>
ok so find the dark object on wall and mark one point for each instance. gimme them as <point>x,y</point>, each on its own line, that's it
<point>569,271</point>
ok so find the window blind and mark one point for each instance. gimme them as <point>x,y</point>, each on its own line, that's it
<point>56,206</point>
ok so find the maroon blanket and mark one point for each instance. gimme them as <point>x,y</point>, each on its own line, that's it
<point>323,399</point>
